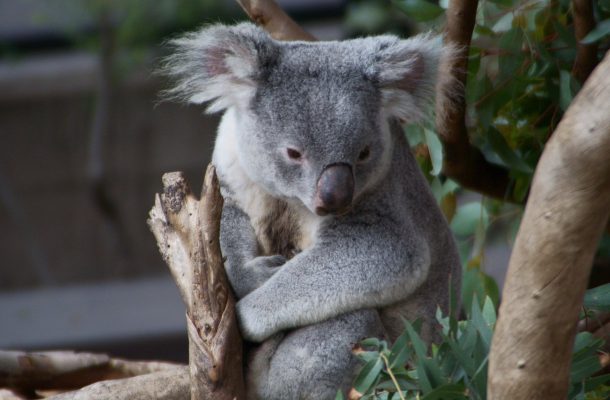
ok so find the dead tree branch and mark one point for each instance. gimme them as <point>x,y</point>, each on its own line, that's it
<point>586,55</point>
<point>268,15</point>
<point>548,271</point>
<point>187,232</point>
<point>67,370</point>
<point>171,384</point>
<point>463,162</point>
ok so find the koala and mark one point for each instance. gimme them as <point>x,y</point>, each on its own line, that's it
<point>329,229</point>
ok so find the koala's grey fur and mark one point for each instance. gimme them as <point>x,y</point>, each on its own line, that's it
<point>310,286</point>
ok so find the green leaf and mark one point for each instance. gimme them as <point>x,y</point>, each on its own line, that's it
<point>602,29</point>
<point>368,375</point>
<point>415,134</point>
<point>594,383</point>
<point>468,217</point>
<point>504,23</point>
<point>477,283</point>
<point>437,189</point>
<point>366,16</point>
<point>598,298</point>
<point>370,342</point>
<point>583,343</point>
<point>367,356</point>
<point>489,312</point>
<point>504,3</point>
<point>584,368</point>
<point>565,92</point>
<point>400,353</point>
<point>450,391</point>
<point>436,151</point>
<point>339,395</point>
<point>419,10</point>
<point>428,371</point>
<point>506,154</point>
<point>479,323</point>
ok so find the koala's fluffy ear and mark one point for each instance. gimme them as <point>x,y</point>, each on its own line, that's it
<point>407,71</point>
<point>218,64</point>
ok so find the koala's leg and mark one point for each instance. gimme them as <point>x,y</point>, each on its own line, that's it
<point>312,362</point>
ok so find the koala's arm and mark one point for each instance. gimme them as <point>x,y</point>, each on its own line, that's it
<point>245,270</point>
<point>353,266</point>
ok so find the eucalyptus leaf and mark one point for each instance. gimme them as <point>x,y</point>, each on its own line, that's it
<point>598,298</point>
<point>505,23</point>
<point>400,353</point>
<point>584,368</point>
<point>595,382</point>
<point>436,151</point>
<point>368,375</point>
<point>504,3</point>
<point>467,218</point>
<point>602,29</point>
<point>506,154</point>
<point>447,392</point>
<point>565,92</point>
<point>419,10</point>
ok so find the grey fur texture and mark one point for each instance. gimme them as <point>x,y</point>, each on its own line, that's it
<point>311,286</point>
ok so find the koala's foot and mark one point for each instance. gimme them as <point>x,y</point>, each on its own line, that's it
<point>312,362</point>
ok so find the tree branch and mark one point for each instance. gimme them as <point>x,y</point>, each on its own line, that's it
<point>268,15</point>
<point>463,162</point>
<point>586,56</point>
<point>548,271</point>
<point>187,232</point>
<point>68,370</point>
<point>171,384</point>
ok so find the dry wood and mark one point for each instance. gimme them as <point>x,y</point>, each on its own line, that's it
<point>67,370</point>
<point>548,271</point>
<point>187,232</point>
<point>171,384</point>
<point>586,55</point>
<point>274,20</point>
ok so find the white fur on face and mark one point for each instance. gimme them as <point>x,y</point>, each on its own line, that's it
<point>250,196</point>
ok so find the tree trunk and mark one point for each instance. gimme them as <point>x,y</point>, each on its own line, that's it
<point>547,276</point>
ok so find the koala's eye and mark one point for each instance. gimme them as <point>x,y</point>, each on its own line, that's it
<point>364,154</point>
<point>293,154</point>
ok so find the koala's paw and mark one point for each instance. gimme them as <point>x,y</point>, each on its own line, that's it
<point>253,274</point>
<point>254,323</point>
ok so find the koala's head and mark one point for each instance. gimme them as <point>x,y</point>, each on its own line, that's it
<point>311,118</point>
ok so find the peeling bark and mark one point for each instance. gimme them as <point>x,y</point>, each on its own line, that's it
<point>187,233</point>
<point>565,216</point>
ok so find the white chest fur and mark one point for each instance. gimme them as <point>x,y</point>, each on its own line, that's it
<point>277,224</point>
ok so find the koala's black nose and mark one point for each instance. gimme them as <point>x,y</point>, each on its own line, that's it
<point>335,189</point>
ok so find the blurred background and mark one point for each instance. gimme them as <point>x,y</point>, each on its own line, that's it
<point>83,145</point>
<point>84,142</point>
